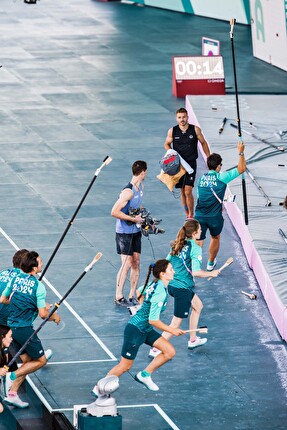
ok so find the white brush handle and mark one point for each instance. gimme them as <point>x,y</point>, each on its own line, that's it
<point>227,263</point>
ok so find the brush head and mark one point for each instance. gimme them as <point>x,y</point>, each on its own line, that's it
<point>203,329</point>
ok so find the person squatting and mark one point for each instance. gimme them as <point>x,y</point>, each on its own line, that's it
<point>141,327</point>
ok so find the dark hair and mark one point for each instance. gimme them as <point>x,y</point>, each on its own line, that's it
<point>157,268</point>
<point>181,110</point>
<point>29,261</point>
<point>17,257</point>
<point>186,231</point>
<point>285,203</point>
<point>4,329</point>
<point>138,167</point>
<point>213,161</point>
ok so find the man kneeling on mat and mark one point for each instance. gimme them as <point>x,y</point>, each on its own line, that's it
<point>140,328</point>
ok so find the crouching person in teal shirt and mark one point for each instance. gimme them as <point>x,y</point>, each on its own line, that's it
<point>186,259</point>
<point>141,327</point>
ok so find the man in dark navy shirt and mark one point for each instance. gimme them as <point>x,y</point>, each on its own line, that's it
<point>183,139</point>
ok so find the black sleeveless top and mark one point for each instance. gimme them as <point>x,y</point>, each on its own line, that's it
<point>185,143</point>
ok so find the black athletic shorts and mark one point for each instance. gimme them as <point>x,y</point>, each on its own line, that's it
<point>187,179</point>
<point>127,244</point>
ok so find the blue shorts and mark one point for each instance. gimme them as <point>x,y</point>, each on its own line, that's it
<point>34,348</point>
<point>127,244</point>
<point>134,338</point>
<point>182,300</point>
<point>213,224</point>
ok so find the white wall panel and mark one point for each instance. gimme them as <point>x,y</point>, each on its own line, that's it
<point>221,9</point>
<point>218,9</point>
<point>166,4</point>
<point>269,37</point>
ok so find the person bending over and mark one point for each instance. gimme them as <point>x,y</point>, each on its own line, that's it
<point>186,259</point>
<point>141,327</point>
<point>5,357</point>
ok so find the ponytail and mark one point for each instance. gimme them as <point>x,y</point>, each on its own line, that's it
<point>157,268</point>
<point>150,267</point>
<point>185,232</point>
<point>179,241</point>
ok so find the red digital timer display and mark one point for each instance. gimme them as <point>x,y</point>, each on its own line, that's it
<point>198,75</point>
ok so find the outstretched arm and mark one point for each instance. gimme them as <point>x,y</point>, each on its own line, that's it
<point>164,327</point>
<point>242,162</point>
<point>205,274</point>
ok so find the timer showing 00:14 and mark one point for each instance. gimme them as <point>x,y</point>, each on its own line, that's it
<point>191,68</point>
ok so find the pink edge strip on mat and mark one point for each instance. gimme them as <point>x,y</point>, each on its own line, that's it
<point>277,309</point>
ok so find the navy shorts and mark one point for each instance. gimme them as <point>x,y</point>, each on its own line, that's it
<point>213,224</point>
<point>187,179</point>
<point>134,338</point>
<point>34,348</point>
<point>127,244</point>
<point>182,300</point>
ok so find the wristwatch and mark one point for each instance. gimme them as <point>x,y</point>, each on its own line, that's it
<point>241,153</point>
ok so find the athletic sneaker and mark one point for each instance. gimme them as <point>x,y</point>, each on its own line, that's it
<point>95,391</point>
<point>147,381</point>
<point>133,301</point>
<point>48,354</point>
<point>122,302</point>
<point>210,265</point>
<point>198,342</point>
<point>16,401</point>
<point>154,352</point>
<point>188,218</point>
<point>7,383</point>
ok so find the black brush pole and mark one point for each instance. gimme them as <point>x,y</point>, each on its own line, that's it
<point>279,148</point>
<point>283,235</point>
<point>244,194</point>
<point>56,306</point>
<point>222,125</point>
<point>106,161</point>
